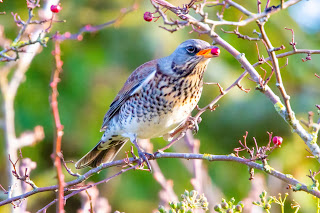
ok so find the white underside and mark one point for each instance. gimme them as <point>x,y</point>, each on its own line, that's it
<point>158,126</point>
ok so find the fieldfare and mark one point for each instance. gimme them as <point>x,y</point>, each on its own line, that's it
<point>157,97</point>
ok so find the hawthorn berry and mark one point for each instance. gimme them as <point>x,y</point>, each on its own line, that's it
<point>277,140</point>
<point>147,16</point>
<point>215,51</point>
<point>67,34</point>
<point>55,8</point>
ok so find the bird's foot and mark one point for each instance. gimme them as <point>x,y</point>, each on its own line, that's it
<point>159,151</point>
<point>144,159</point>
<point>193,123</point>
<point>142,155</point>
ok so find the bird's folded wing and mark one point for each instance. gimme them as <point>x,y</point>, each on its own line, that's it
<point>136,80</point>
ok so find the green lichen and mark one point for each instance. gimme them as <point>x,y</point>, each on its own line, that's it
<point>279,107</point>
<point>268,168</point>
<point>297,187</point>
<point>289,176</point>
<point>207,156</point>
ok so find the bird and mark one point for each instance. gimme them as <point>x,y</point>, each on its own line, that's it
<point>156,99</point>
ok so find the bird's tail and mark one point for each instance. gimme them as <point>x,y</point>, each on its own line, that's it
<point>99,155</point>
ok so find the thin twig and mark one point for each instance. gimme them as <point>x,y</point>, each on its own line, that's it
<point>58,125</point>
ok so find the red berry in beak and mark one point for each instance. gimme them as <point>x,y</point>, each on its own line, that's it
<point>277,140</point>
<point>215,51</point>
<point>55,8</point>
<point>147,16</point>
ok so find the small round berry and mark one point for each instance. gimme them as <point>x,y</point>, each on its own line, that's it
<point>147,16</point>
<point>79,37</point>
<point>215,51</point>
<point>277,140</point>
<point>88,27</point>
<point>67,34</point>
<point>55,8</point>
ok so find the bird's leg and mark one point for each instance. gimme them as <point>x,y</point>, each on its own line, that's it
<point>190,123</point>
<point>181,135</point>
<point>142,155</point>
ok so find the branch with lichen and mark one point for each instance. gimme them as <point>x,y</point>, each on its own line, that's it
<point>18,43</point>
<point>289,179</point>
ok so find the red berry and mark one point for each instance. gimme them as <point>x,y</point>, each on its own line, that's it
<point>277,140</point>
<point>55,8</point>
<point>88,27</point>
<point>215,51</point>
<point>67,34</point>
<point>147,16</point>
<point>79,37</point>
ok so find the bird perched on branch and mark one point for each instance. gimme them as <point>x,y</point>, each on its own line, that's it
<point>157,97</point>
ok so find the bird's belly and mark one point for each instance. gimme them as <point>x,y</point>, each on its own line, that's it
<point>152,125</point>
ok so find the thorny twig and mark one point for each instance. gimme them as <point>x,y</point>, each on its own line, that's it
<point>18,44</point>
<point>257,152</point>
<point>276,69</point>
<point>91,29</point>
<point>293,52</point>
<point>211,106</point>
<point>236,32</point>
<point>292,43</point>
<point>24,177</point>
<point>44,209</point>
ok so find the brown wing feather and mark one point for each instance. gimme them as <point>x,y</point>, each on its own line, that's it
<point>133,82</point>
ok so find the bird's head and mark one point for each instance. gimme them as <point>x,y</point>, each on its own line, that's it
<point>187,57</point>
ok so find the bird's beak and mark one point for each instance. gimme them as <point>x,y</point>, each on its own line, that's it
<point>209,52</point>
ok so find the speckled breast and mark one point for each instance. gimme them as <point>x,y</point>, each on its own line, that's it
<point>161,105</point>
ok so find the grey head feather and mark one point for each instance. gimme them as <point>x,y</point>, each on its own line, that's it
<point>181,61</point>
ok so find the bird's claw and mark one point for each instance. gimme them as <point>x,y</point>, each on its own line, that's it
<point>144,159</point>
<point>159,151</point>
<point>193,123</point>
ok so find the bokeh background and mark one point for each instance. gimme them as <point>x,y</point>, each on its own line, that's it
<point>95,69</point>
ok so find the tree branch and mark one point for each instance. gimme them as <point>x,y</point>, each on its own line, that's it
<point>297,185</point>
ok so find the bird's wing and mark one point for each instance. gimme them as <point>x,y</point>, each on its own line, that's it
<point>136,80</point>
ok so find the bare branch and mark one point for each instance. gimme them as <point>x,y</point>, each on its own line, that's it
<point>59,127</point>
<point>159,155</point>
<point>89,28</point>
<point>293,52</point>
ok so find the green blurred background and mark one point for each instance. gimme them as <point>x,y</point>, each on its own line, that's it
<point>95,69</point>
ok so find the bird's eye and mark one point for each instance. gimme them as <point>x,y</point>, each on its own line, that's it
<point>191,49</point>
